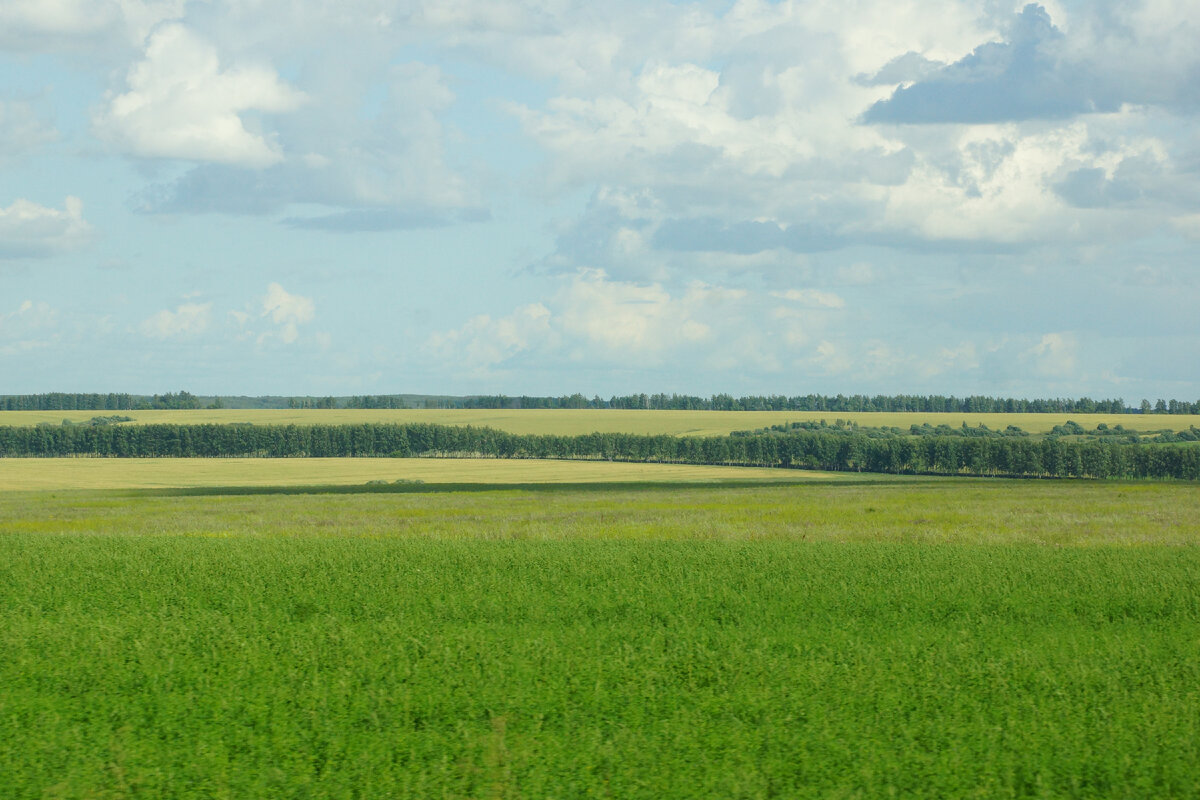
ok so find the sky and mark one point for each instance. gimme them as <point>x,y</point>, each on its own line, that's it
<point>336,197</point>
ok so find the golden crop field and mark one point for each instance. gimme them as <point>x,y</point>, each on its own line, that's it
<point>579,421</point>
<point>33,474</point>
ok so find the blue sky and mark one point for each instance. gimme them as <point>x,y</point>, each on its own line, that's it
<point>469,196</point>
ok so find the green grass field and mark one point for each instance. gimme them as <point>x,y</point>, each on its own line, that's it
<point>567,421</point>
<point>920,638</point>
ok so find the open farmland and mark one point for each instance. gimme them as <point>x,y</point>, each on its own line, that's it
<point>147,473</point>
<point>924,638</point>
<point>581,421</point>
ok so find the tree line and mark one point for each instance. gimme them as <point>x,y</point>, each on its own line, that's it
<point>803,449</point>
<point>818,402</point>
<point>113,401</point>
<point>973,404</point>
<point>1068,428</point>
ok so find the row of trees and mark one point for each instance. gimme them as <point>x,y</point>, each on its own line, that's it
<point>809,402</point>
<point>314,402</point>
<point>1068,428</point>
<point>67,401</point>
<point>64,401</point>
<point>59,401</point>
<point>1007,456</point>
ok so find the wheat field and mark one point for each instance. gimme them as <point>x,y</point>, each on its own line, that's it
<point>34,474</point>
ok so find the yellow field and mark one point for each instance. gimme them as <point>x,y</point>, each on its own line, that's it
<point>30,474</point>
<point>571,421</point>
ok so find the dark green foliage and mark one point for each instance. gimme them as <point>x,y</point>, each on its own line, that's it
<point>111,419</point>
<point>62,401</point>
<point>974,404</point>
<point>810,402</point>
<point>1009,454</point>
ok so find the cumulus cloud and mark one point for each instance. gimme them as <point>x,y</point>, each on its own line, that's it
<point>1038,72</point>
<point>354,171</point>
<point>769,153</point>
<point>999,81</point>
<point>29,230</point>
<point>907,68</point>
<point>36,24</point>
<point>1003,184</point>
<point>750,164</point>
<point>182,104</point>
<point>672,119</point>
<point>1055,356</point>
<point>485,342</point>
<point>593,319</point>
<point>288,311</point>
<point>764,155</point>
<point>187,319</point>
<point>621,319</point>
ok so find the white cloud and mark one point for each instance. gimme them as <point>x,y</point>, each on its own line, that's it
<point>621,319</point>
<point>364,153</point>
<point>31,230</point>
<point>595,320</point>
<point>182,104</point>
<point>998,183</point>
<point>40,19</point>
<point>188,319</point>
<point>672,112</point>
<point>812,297</point>
<point>770,138</point>
<point>28,316</point>
<point>953,360</point>
<point>484,343</point>
<point>288,311</point>
<point>766,114</point>
<point>725,142</point>
<point>1055,356</point>
<point>833,357</point>
<point>81,24</point>
<point>27,328</point>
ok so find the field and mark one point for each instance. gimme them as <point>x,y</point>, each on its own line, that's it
<point>919,638</point>
<point>567,421</point>
<point>26,474</point>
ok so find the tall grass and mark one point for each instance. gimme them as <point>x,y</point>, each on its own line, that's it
<point>929,639</point>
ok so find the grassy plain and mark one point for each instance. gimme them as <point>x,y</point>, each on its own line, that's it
<point>25,474</point>
<point>570,421</point>
<point>921,638</point>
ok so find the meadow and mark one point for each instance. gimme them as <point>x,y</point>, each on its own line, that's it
<point>567,422</point>
<point>918,638</point>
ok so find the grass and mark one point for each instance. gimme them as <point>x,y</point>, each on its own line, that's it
<point>922,511</point>
<point>28,474</point>
<point>922,638</point>
<point>570,421</point>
